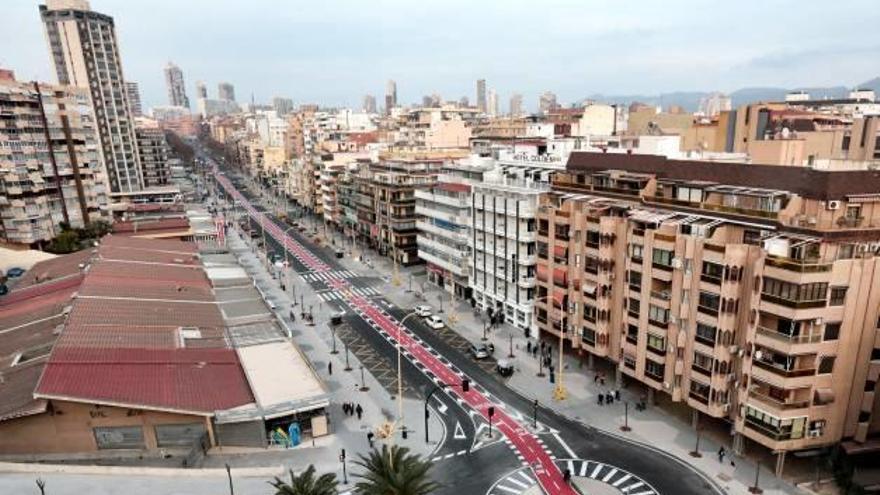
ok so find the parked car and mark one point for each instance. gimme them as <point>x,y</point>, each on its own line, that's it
<point>336,318</point>
<point>434,322</point>
<point>423,310</point>
<point>504,368</point>
<point>15,272</point>
<point>482,351</point>
<point>3,290</point>
<point>340,253</point>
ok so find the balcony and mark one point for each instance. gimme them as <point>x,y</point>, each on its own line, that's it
<point>779,404</point>
<point>794,304</point>
<point>527,282</point>
<point>795,265</point>
<point>787,343</point>
<point>780,370</point>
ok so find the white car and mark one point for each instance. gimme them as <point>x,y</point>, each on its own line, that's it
<point>423,310</point>
<point>434,322</point>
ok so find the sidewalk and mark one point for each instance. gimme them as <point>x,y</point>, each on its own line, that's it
<point>315,343</point>
<point>654,427</point>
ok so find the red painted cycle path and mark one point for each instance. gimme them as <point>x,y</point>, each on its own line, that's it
<point>524,442</point>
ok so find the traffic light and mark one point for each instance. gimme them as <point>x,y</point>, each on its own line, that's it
<point>491,411</point>
<point>342,455</point>
<point>465,385</point>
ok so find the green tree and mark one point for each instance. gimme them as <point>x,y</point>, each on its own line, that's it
<point>394,471</point>
<point>97,229</point>
<point>65,242</point>
<point>306,484</point>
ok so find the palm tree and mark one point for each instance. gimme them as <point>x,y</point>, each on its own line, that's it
<point>394,471</point>
<point>306,484</point>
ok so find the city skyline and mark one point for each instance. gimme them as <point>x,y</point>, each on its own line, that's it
<point>638,56</point>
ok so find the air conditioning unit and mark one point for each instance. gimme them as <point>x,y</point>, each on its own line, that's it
<point>673,320</point>
<point>814,433</point>
<point>676,263</point>
<point>726,407</point>
<point>833,204</point>
<point>666,385</point>
<point>734,349</point>
<point>741,353</point>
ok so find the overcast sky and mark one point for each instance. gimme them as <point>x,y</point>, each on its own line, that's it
<point>333,52</point>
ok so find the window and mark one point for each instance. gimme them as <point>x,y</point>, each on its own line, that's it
<point>654,370</point>
<point>689,194</point>
<point>656,343</point>
<point>702,363</point>
<point>658,315</point>
<point>712,272</point>
<point>636,251</point>
<point>774,427</point>
<point>632,334</point>
<point>793,295</point>
<point>592,238</point>
<point>709,303</point>
<point>635,281</point>
<point>826,364</point>
<point>838,295</point>
<point>629,362</point>
<point>588,335</point>
<point>589,313</point>
<point>662,258</point>
<point>832,331</point>
<point>699,391</point>
<point>635,307</point>
<point>706,334</point>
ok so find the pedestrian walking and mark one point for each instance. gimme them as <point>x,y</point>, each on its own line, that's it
<point>596,378</point>
<point>721,454</point>
<point>370,435</point>
<point>609,398</point>
<point>601,398</point>
<point>617,394</point>
<point>345,408</point>
<point>359,410</point>
<point>329,367</point>
<point>529,347</point>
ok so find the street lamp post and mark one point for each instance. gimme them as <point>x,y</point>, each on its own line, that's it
<point>347,366</point>
<point>559,393</point>
<point>465,386</point>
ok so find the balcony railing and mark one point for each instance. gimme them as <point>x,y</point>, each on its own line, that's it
<point>794,265</point>
<point>780,404</point>
<point>699,398</point>
<point>767,430</point>
<point>790,303</point>
<point>778,370</point>
<point>663,295</point>
<point>789,339</point>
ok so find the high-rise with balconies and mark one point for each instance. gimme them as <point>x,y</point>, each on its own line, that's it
<point>751,305</point>
<point>50,170</point>
<point>176,87</point>
<point>85,53</point>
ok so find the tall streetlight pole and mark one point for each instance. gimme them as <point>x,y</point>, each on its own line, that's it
<point>559,393</point>
<point>287,264</point>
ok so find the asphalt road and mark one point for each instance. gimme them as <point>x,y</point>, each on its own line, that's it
<point>485,464</point>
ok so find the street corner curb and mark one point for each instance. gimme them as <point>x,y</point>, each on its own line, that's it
<point>38,468</point>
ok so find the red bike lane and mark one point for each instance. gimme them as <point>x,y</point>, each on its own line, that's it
<point>524,442</point>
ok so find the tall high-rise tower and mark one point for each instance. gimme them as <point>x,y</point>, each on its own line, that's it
<point>226,91</point>
<point>493,107</point>
<point>482,104</point>
<point>201,90</point>
<point>84,53</point>
<point>390,96</point>
<point>176,87</point>
<point>134,98</point>
<point>516,108</point>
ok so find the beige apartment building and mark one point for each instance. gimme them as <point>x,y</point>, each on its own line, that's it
<point>754,306</point>
<point>50,169</point>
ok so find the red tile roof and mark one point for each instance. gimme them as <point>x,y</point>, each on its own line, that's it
<point>168,245</point>
<point>53,269</point>
<point>136,226</point>
<point>138,312</point>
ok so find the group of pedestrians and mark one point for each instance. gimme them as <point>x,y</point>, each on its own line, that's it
<point>351,409</point>
<point>608,397</point>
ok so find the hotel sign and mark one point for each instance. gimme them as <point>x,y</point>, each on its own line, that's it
<point>524,157</point>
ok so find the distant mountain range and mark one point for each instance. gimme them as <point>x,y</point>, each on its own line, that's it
<point>690,100</point>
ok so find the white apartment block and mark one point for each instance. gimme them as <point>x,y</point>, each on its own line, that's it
<point>442,217</point>
<point>503,236</point>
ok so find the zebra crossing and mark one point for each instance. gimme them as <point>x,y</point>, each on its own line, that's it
<point>521,480</point>
<point>333,295</point>
<point>328,275</point>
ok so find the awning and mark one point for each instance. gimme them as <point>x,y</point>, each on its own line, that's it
<point>560,276</point>
<point>560,252</point>
<point>543,273</point>
<point>559,298</point>
<point>589,288</point>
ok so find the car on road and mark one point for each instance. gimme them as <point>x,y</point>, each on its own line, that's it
<point>3,290</point>
<point>336,318</point>
<point>423,310</point>
<point>504,368</point>
<point>434,322</point>
<point>482,351</point>
<point>15,272</point>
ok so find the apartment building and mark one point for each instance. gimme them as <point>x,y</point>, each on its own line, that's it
<point>153,153</point>
<point>175,85</point>
<point>134,98</point>
<point>503,244</point>
<point>385,201</point>
<point>50,169</point>
<point>750,305</point>
<point>434,128</point>
<point>85,53</point>
<point>442,217</point>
